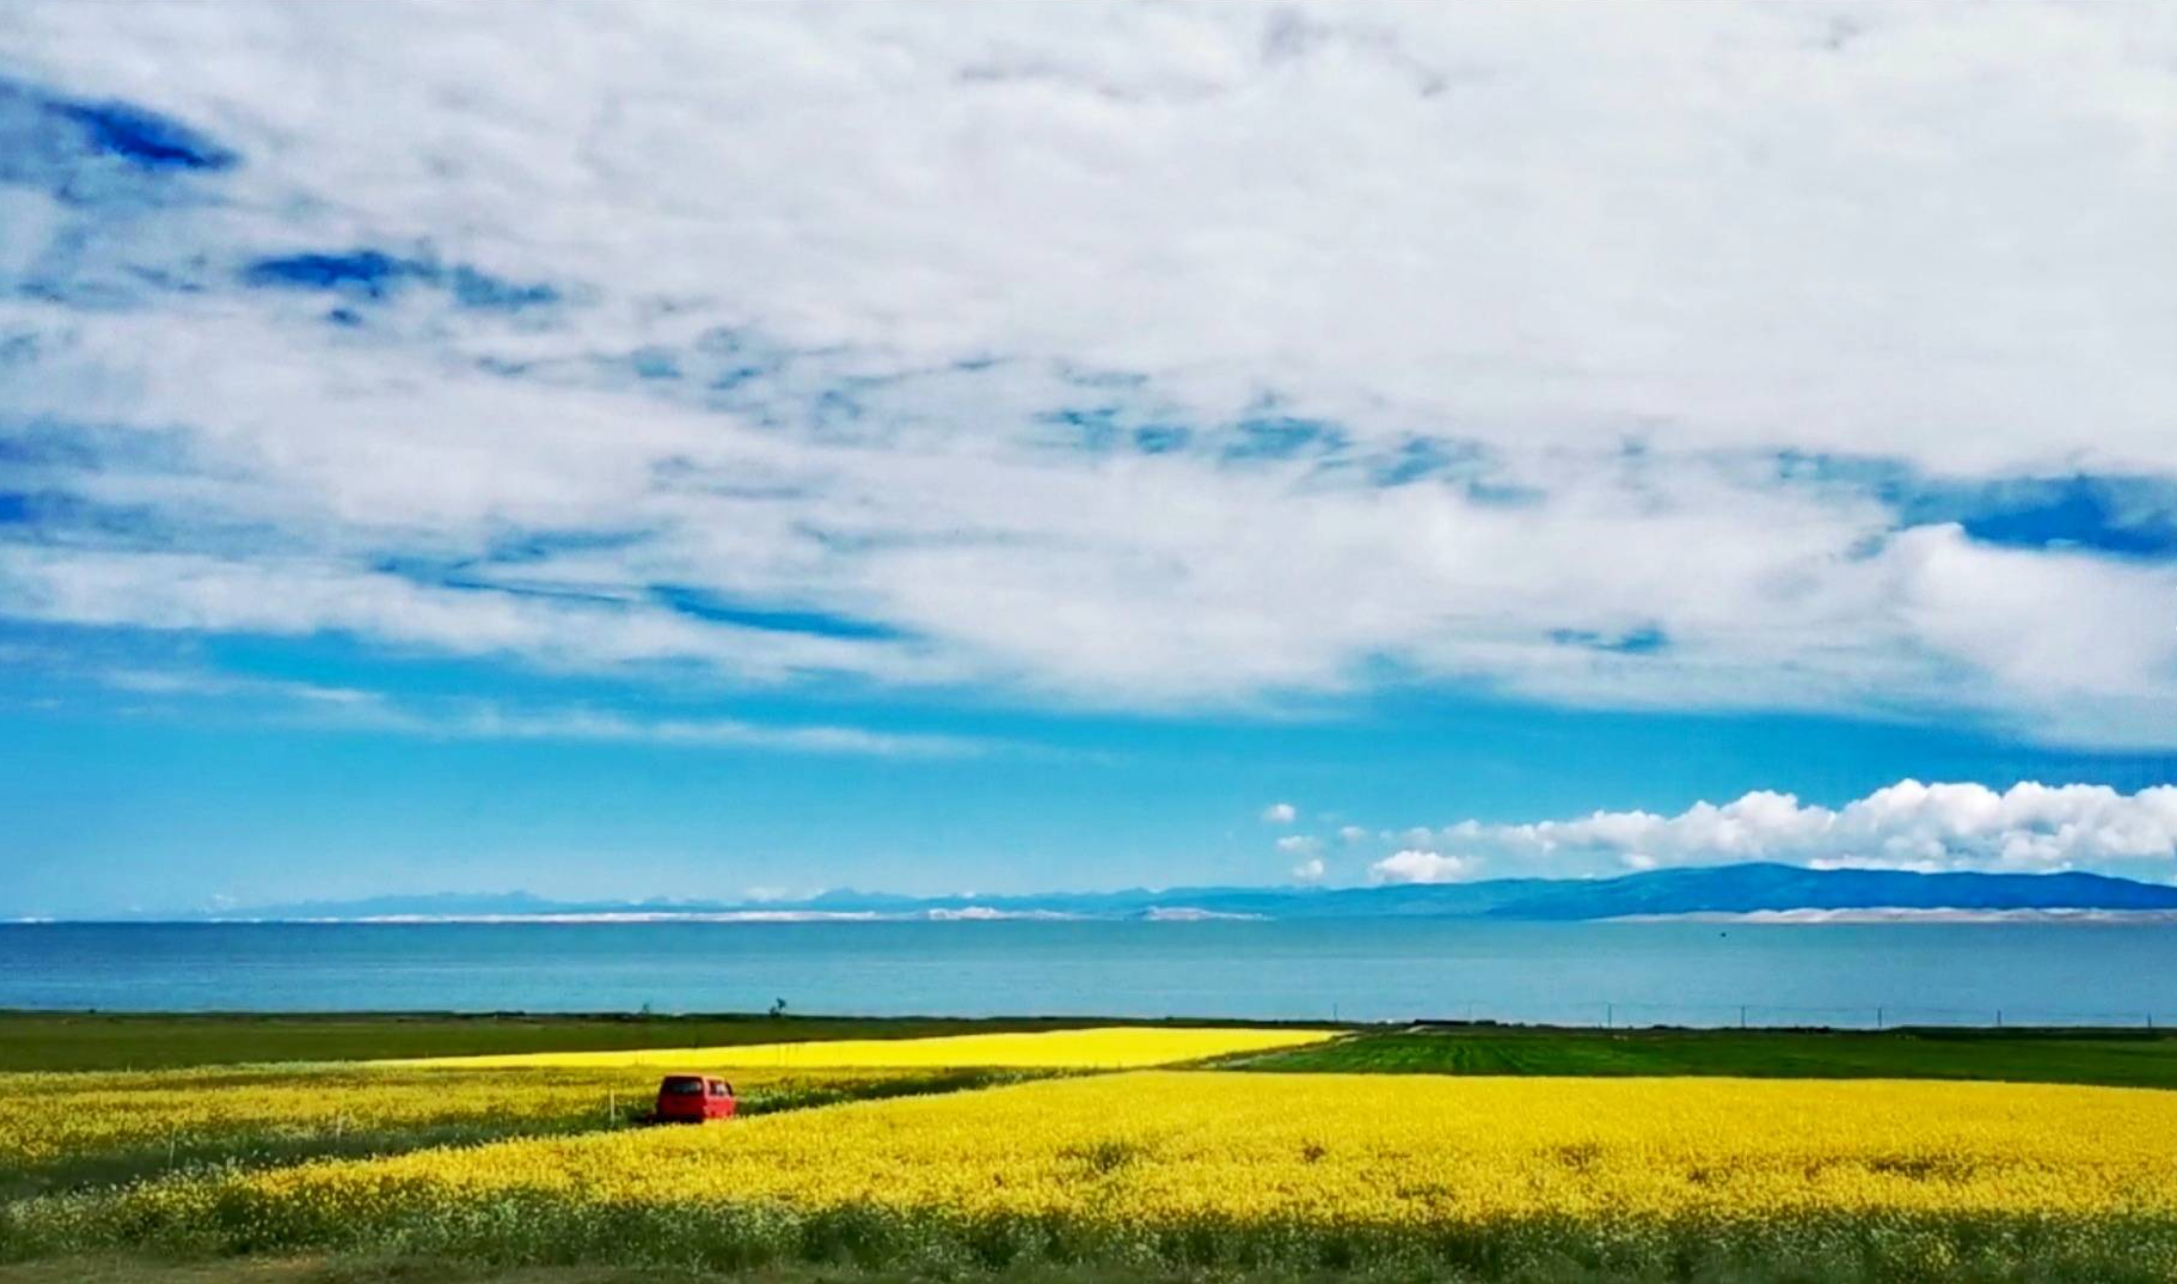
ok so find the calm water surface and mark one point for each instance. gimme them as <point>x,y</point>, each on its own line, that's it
<point>1626,973</point>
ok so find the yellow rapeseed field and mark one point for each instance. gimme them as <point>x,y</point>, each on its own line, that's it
<point>1109,1048</point>
<point>1370,1150</point>
<point>1480,1177</point>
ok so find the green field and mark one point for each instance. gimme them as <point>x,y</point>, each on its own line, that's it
<point>104,1041</point>
<point>2143,1059</point>
<point>114,1041</point>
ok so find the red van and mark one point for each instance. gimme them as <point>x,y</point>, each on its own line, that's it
<point>693,1098</point>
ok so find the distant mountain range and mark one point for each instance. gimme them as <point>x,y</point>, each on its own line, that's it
<point>1729,890</point>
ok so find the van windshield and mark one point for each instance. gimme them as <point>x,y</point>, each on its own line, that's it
<point>684,1087</point>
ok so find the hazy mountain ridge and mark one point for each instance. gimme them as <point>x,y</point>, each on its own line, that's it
<point>1709,890</point>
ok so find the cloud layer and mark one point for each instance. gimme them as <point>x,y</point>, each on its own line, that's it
<point>2029,828</point>
<point>1143,357</point>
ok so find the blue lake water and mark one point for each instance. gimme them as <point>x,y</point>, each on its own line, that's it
<point>1625,973</point>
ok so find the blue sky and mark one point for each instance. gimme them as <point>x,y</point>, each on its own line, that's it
<point>719,451</point>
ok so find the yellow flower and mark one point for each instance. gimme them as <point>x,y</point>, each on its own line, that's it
<point>1106,1048</point>
<point>46,1118</point>
<point>1158,1148</point>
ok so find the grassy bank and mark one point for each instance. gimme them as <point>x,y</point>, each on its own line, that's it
<point>419,1270</point>
<point>423,1270</point>
<point>857,1247</point>
<point>415,1270</point>
<point>130,1270</point>
<point>2140,1059</point>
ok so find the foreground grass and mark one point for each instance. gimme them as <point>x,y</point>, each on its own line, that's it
<point>2142,1059</point>
<point>410,1270</point>
<point>416,1270</point>
<point>129,1270</point>
<point>419,1270</point>
<point>424,1270</point>
<point>865,1247</point>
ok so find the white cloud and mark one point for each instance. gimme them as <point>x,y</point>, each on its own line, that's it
<point>347,708</point>
<point>932,159</point>
<point>1296,844</point>
<point>285,596</point>
<point>484,722</point>
<point>1352,834</point>
<point>2028,827</point>
<point>1282,813</point>
<point>1415,866</point>
<point>1309,871</point>
<point>874,251</point>
<point>157,682</point>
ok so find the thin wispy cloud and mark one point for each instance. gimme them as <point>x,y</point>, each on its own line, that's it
<point>310,705</point>
<point>582,724</point>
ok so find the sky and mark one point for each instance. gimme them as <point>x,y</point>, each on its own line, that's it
<point>716,451</point>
